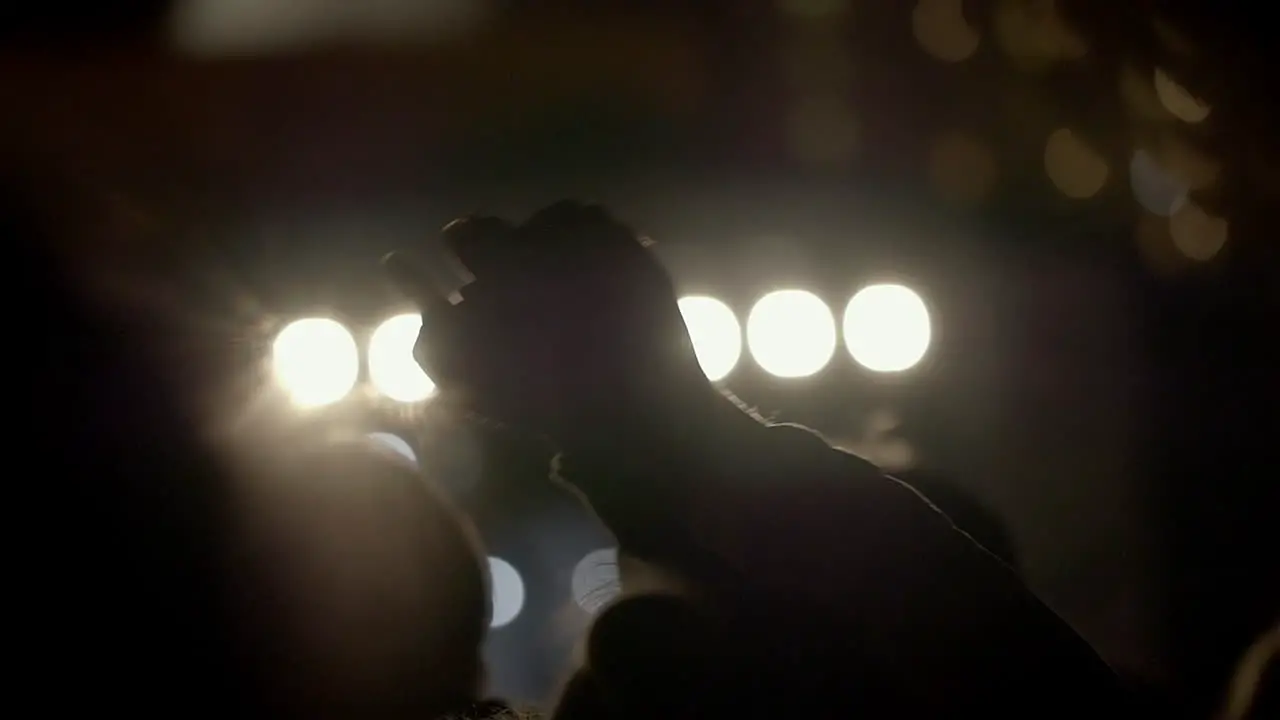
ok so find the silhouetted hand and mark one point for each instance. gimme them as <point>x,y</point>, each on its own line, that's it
<point>571,328</point>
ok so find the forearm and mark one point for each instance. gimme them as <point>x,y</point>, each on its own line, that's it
<point>777,512</point>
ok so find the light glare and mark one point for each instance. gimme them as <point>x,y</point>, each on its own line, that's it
<point>791,333</point>
<point>887,328</point>
<point>396,444</point>
<point>508,592</point>
<point>392,369</point>
<point>715,332</point>
<point>315,361</point>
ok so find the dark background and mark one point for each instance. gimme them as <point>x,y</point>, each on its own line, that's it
<point>1107,395</point>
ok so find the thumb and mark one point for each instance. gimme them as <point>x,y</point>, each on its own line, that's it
<point>411,278</point>
<point>438,337</point>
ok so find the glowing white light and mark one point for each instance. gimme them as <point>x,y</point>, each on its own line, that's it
<point>887,328</point>
<point>508,592</point>
<point>715,332</point>
<point>397,444</point>
<point>791,333</point>
<point>316,361</point>
<point>219,28</point>
<point>595,579</point>
<point>392,369</point>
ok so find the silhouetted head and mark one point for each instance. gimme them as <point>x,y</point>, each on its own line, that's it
<point>366,589</point>
<point>649,656</point>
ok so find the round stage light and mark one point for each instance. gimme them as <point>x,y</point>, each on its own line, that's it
<point>508,592</point>
<point>791,333</point>
<point>392,369</point>
<point>887,328</point>
<point>715,332</point>
<point>315,361</point>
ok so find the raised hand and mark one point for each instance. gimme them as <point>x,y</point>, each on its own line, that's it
<point>570,330</point>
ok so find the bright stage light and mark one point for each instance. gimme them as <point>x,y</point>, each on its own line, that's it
<point>715,332</point>
<point>316,361</point>
<point>392,369</point>
<point>508,592</point>
<point>791,333</point>
<point>887,328</point>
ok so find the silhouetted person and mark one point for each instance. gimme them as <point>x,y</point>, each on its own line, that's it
<point>967,511</point>
<point>118,581</point>
<point>150,554</point>
<point>850,591</point>
<point>657,655</point>
<point>365,588</point>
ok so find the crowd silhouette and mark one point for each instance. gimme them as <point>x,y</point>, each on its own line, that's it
<point>162,572</point>
<point>307,596</point>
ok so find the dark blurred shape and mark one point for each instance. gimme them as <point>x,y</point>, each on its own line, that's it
<point>231,27</point>
<point>1253,691</point>
<point>69,21</point>
<point>124,509</point>
<point>364,587</point>
<point>967,511</point>
<point>653,656</point>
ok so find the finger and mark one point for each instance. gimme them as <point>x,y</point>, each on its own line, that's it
<point>438,317</point>
<point>444,348</point>
<point>409,275</point>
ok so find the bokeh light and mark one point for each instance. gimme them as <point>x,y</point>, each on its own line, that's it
<point>595,580</point>
<point>1180,103</point>
<point>507,588</point>
<point>942,31</point>
<point>1138,94</point>
<point>887,328</point>
<point>315,361</point>
<point>396,444</point>
<point>715,332</point>
<point>1196,234</point>
<point>791,333</point>
<point>1074,168</point>
<point>1034,35</point>
<point>392,369</point>
<point>244,27</point>
<point>1154,187</point>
